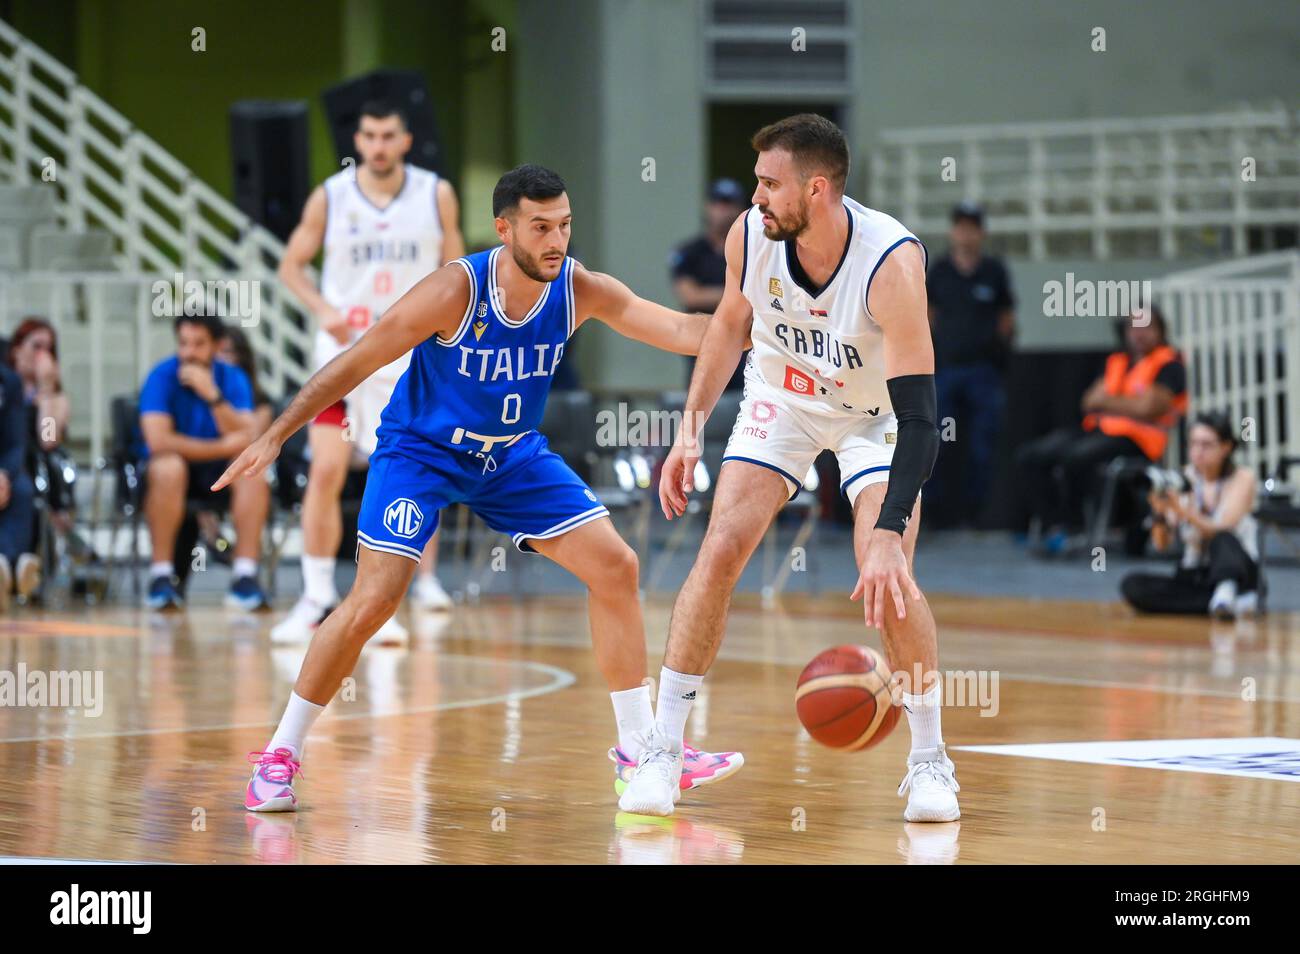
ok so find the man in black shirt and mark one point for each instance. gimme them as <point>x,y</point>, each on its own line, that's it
<point>972,318</point>
<point>699,267</point>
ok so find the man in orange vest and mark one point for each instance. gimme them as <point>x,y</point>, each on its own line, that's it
<point>1128,412</point>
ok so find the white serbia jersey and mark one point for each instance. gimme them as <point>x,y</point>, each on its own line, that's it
<point>819,349</point>
<point>373,257</point>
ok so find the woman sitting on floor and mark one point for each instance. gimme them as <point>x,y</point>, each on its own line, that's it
<point>1219,572</point>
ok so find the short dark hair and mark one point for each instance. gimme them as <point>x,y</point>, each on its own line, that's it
<point>528,181</point>
<point>215,326</point>
<point>817,145</point>
<point>381,109</point>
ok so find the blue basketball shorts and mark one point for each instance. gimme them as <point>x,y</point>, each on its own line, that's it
<point>525,490</point>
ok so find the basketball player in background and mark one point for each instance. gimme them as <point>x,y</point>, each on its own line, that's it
<point>488,332</point>
<point>384,225</point>
<point>833,294</point>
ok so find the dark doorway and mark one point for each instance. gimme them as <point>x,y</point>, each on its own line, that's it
<point>732,124</point>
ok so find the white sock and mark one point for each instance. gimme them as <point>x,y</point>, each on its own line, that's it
<point>294,725</point>
<point>635,718</point>
<point>923,718</point>
<point>161,568</point>
<point>244,566</point>
<point>676,695</point>
<point>318,580</point>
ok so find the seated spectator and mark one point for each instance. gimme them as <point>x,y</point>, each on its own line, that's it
<point>33,352</point>
<point>699,267</point>
<point>196,413</point>
<point>235,348</point>
<point>17,495</point>
<point>1219,572</point>
<point>1128,412</point>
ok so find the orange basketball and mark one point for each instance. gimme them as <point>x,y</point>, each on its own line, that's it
<point>843,698</point>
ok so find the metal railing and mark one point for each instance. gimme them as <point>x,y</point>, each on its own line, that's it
<point>1238,326</point>
<point>1166,187</point>
<point>167,223</point>
<point>114,326</point>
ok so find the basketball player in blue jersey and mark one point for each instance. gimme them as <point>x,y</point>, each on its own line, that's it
<point>486,333</point>
<point>832,296</point>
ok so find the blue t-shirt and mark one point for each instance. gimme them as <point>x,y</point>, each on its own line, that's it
<point>163,393</point>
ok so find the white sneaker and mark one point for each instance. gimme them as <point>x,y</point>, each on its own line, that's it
<point>1246,605</point>
<point>430,596</point>
<point>930,786</point>
<point>656,783</point>
<point>28,574</point>
<point>301,623</point>
<point>1225,594</point>
<point>392,633</point>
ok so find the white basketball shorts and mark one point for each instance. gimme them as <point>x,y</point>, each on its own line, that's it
<point>771,433</point>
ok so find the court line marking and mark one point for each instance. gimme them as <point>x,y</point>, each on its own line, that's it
<point>560,679</point>
<point>33,860</point>
<point>1003,675</point>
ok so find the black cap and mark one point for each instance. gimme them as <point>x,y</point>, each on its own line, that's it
<point>968,209</point>
<point>728,190</point>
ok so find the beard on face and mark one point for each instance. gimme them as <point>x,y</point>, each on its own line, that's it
<point>785,229</point>
<point>382,169</point>
<point>530,266</point>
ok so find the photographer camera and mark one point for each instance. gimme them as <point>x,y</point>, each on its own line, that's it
<point>1209,506</point>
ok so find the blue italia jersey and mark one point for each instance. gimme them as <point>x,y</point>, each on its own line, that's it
<point>485,387</point>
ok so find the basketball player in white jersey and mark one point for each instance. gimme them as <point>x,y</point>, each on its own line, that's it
<point>833,295</point>
<point>384,225</point>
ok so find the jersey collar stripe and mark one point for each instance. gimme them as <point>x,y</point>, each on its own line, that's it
<point>866,295</point>
<point>795,269</point>
<point>469,310</point>
<point>568,286</point>
<point>862,473</point>
<point>744,255</point>
<point>401,190</point>
<point>492,284</point>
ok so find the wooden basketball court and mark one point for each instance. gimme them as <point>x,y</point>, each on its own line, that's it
<point>485,742</point>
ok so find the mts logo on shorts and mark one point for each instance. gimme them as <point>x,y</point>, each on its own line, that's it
<point>798,382</point>
<point>761,412</point>
<point>403,518</point>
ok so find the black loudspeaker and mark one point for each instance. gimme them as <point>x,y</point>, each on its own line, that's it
<point>408,90</point>
<point>268,143</point>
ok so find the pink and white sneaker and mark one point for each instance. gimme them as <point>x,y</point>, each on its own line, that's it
<point>698,767</point>
<point>271,787</point>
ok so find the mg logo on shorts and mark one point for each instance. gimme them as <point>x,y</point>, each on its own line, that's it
<point>402,517</point>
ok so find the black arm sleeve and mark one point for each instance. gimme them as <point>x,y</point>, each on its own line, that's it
<point>915,406</point>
